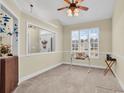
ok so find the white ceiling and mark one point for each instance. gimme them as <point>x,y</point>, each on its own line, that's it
<point>47,10</point>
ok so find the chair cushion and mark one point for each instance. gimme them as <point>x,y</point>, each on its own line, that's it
<point>80,55</point>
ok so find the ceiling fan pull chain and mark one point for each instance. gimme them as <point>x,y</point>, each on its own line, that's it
<point>31,7</point>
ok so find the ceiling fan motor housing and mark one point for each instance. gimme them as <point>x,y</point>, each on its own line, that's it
<point>72,6</point>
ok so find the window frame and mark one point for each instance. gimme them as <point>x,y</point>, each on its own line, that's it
<point>89,42</point>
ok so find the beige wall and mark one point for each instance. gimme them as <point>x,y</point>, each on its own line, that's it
<point>43,60</point>
<point>118,37</point>
<point>33,63</point>
<point>105,38</point>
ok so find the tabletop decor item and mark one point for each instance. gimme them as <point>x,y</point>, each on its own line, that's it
<point>44,43</point>
<point>5,50</point>
<point>108,57</point>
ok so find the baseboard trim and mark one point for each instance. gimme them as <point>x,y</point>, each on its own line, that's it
<point>37,73</point>
<point>119,80</point>
<point>85,65</point>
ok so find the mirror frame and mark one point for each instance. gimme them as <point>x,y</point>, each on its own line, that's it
<point>27,41</point>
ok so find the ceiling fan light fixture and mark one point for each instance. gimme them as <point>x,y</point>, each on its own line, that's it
<point>73,13</point>
<point>74,8</point>
<point>76,14</point>
<point>69,12</point>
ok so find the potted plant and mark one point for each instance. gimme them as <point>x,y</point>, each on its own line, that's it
<point>5,50</point>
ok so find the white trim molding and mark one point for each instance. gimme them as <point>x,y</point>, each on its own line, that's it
<point>85,65</point>
<point>51,67</point>
<point>37,73</point>
<point>118,56</point>
<point>37,54</point>
<point>119,80</point>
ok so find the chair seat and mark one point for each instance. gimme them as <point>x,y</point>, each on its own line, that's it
<point>80,58</point>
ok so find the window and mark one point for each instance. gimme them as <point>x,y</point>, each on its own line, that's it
<point>86,40</point>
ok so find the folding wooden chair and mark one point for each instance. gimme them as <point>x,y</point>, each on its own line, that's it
<point>80,56</point>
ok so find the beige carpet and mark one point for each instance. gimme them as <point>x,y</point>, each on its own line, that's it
<point>65,80</point>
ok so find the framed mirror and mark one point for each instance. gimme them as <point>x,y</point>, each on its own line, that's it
<point>40,40</point>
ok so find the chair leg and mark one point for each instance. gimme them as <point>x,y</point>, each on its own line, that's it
<point>89,65</point>
<point>109,68</point>
<point>71,62</point>
<point>106,70</point>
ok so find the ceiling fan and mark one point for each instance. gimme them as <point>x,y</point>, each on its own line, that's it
<point>74,7</point>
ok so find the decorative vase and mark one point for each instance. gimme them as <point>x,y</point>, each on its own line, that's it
<point>0,55</point>
<point>9,54</point>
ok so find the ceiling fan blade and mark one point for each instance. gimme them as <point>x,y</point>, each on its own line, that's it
<point>83,8</point>
<point>78,1</point>
<point>62,8</point>
<point>67,1</point>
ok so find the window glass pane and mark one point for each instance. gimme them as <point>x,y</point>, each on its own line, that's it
<point>75,35</point>
<point>94,41</point>
<point>75,40</point>
<point>84,41</point>
<point>94,35</point>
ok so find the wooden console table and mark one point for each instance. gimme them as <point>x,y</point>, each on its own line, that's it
<point>8,74</point>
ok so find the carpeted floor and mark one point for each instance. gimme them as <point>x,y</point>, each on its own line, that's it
<point>65,80</point>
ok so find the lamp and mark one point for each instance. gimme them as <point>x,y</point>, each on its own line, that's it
<point>76,14</point>
<point>69,12</point>
<point>73,12</point>
<point>76,10</point>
